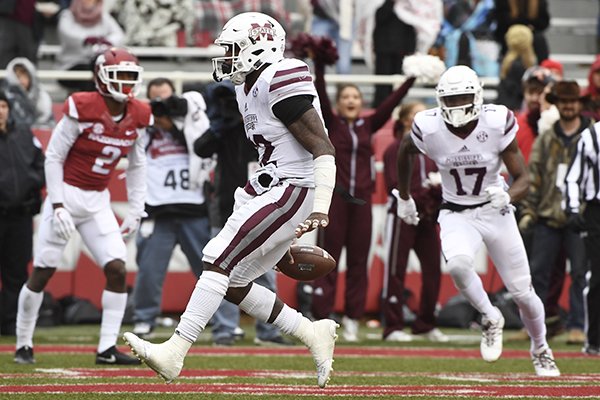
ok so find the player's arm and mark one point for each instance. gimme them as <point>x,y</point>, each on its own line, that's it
<point>515,164</point>
<point>305,124</point>
<point>63,136</point>
<point>406,155</point>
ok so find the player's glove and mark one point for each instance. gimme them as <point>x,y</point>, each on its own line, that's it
<point>62,223</point>
<point>407,209</point>
<point>497,196</point>
<point>130,225</point>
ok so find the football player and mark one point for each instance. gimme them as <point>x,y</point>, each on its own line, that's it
<point>97,130</point>
<point>288,196</point>
<point>469,142</point>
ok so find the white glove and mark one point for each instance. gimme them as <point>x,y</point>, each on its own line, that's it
<point>407,209</point>
<point>497,196</point>
<point>130,225</point>
<point>62,223</point>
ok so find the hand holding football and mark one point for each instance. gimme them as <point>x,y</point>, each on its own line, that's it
<point>310,262</point>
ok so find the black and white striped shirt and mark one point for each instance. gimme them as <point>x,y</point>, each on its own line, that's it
<point>583,177</point>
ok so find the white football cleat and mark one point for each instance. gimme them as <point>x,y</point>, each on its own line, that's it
<point>543,362</point>
<point>166,359</point>
<point>491,338</point>
<point>319,337</point>
<point>399,336</point>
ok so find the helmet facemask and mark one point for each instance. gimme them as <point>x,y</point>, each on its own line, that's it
<point>118,88</point>
<point>251,40</point>
<point>459,95</point>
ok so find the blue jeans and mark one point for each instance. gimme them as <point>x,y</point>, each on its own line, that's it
<point>329,28</point>
<point>153,254</point>
<point>547,242</point>
<point>227,317</point>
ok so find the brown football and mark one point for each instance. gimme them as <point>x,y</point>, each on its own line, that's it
<point>310,262</point>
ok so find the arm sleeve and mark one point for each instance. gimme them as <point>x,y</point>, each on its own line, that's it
<point>38,163</point>
<point>290,109</point>
<point>575,175</point>
<point>64,135</point>
<point>326,108</point>
<point>136,176</point>
<point>385,109</point>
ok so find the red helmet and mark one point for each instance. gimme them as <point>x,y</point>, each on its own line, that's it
<point>106,74</point>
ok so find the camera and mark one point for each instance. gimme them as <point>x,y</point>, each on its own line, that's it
<point>173,106</point>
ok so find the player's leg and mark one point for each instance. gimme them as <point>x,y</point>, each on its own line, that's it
<point>49,249</point>
<point>461,238</point>
<point>265,332</point>
<point>507,251</point>
<point>155,241</point>
<point>100,233</point>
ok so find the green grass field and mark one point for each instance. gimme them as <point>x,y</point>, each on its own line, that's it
<point>65,369</point>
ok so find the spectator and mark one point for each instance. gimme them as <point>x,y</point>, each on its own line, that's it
<point>175,202</point>
<point>21,71</point>
<point>552,152</point>
<point>236,156</point>
<point>517,60</point>
<point>289,195</point>
<point>423,238</point>
<point>534,82</point>
<point>466,35</point>
<point>582,206</point>
<point>84,30</point>
<point>350,211</point>
<point>335,19</point>
<point>592,108</point>
<point>17,34</point>
<point>388,59</point>
<point>155,22</point>
<point>20,185</point>
<point>85,147</point>
<point>531,13</point>
<point>465,138</point>
<point>555,67</point>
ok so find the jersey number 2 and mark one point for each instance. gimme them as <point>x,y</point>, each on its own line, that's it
<point>479,172</point>
<point>112,154</point>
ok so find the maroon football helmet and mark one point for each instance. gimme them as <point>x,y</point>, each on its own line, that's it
<point>108,74</point>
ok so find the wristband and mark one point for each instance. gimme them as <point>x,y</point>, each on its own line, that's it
<point>324,183</point>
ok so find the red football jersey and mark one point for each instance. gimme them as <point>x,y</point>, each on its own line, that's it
<point>101,142</point>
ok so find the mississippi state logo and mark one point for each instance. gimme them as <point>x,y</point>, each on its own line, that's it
<point>257,32</point>
<point>482,136</point>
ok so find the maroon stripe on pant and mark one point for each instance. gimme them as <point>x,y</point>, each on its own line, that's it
<point>270,229</point>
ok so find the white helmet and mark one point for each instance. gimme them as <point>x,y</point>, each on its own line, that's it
<point>459,80</point>
<point>254,39</point>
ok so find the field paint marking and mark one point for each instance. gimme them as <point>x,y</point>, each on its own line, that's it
<point>383,352</point>
<point>536,391</point>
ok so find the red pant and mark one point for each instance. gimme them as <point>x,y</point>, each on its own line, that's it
<point>350,226</point>
<point>424,239</point>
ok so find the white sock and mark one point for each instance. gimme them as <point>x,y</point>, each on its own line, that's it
<point>533,316</point>
<point>289,320</point>
<point>27,315</point>
<point>477,296</point>
<point>259,302</point>
<point>113,309</point>
<point>206,298</point>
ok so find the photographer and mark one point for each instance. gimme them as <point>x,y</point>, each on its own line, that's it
<point>175,203</point>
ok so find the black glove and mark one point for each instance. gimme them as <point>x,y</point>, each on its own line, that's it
<point>576,222</point>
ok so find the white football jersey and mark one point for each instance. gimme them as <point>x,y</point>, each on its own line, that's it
<point>275,144</point>
<point>468,166</point>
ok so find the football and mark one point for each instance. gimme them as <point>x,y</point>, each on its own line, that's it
<point>310,262</point>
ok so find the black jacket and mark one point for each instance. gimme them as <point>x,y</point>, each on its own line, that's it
<point>21,171</point>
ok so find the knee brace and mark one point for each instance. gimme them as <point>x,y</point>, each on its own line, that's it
<point>461,271</point>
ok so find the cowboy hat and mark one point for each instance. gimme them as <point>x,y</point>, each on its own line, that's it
<point>565,90</point>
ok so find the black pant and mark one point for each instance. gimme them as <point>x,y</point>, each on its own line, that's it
<point>592,243</point>
<point>16,241</point>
